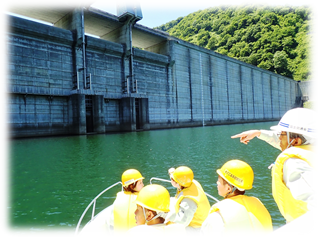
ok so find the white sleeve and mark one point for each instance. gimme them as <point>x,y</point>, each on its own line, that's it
<point>298,176</point>
<point>270,137</point>
<point>213,224</point>
<point>186,212</point>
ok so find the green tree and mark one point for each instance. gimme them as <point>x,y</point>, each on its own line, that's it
<point>203,38</point>
<point>244,52</point>
<point>269,18</point>
<point>280,63</point>
<point>213,41</point>
<point>224,40</point>
<point>272,38</point>
<point>288,44</point>
<point>267,64</point>
<point>302,12</point>
<point>252,59</point>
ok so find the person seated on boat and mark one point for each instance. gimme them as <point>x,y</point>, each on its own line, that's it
<point>293,172</point>
<point>191,205</point>
<point>153,203</point>
<point>237,212</point>
<point>124,206</point>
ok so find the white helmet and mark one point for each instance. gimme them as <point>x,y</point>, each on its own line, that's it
<point>299,120</point>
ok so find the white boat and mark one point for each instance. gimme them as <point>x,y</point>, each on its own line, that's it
<point>101,223</point>
<point>305,226</point>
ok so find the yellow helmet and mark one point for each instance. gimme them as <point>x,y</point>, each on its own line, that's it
<point>154,197</point>
<point>183,175</point>
<point>237,173</point>
<point>130,176</point>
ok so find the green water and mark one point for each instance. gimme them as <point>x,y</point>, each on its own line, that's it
<point>52,180</point>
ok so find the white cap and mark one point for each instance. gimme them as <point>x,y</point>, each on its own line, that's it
<point>299,120</point>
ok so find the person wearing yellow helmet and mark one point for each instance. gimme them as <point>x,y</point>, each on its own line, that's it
<point>293,181</point>
<point>132,180</point>
<point>124,206</point>
<point>191,206</point>
<point>237,212</point>
<point>153,205</point>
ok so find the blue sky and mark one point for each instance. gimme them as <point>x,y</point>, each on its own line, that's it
<point>156,13</point>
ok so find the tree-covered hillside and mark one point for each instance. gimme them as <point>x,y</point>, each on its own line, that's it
<point>273,38</point>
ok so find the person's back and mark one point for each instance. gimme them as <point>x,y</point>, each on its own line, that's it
<point>124,206</point>
<point>192,205</point>
<point>196,193</point>
<point>240,213</point>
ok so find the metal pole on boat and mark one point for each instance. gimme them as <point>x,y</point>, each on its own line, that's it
<point>210,196</point>
<point>163,180</point>
<point>93,212</point>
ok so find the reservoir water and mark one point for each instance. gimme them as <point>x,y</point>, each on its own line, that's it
<point>53,179</point>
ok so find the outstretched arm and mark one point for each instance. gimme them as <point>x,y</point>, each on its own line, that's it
<point>266,135</point>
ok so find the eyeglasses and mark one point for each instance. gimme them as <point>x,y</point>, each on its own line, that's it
<point>281,134</point>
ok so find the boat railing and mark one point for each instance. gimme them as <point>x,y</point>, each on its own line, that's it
<point>168,181</point>
<point>93,202</point>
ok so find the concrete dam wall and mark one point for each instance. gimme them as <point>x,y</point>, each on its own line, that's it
<point>63,82</point>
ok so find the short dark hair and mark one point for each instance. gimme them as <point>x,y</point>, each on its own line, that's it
<point>303,140</point>
<point>236,192</point>
<point>161,219</point>
<point>297,135</point>
<point>131,187</point>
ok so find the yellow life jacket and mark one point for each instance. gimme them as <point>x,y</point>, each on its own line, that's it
<point>288,206</point>
<point>124,211</point>
<point>196,193</point>
<point>243,213</point>
<point>168,229</point>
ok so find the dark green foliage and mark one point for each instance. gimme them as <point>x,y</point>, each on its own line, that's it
<point>273,38</point>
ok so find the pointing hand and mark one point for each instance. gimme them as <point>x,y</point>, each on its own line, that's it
<point>246,136</point>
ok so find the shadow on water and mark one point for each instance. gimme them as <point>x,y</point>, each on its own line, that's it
<point>52,180</point>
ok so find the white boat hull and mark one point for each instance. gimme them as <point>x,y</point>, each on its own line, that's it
<point>102,223</point>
